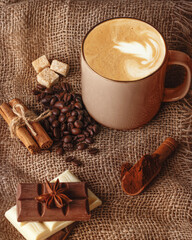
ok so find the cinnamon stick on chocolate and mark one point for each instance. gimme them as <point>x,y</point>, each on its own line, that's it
<point>42,138</point>
<point>22,133</point>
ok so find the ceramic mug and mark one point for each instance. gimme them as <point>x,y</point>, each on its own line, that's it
<point>131,104</point>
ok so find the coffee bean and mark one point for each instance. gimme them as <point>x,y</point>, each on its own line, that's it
<point>76,131</point>
<point>80,111</point>
<point>80,139</point>
<point>55,123</point>
<point>35,92</point>
<point>69,159</point>
<point>93,151</point>
<point>70,126</point>
<point>53,101</point>
<point>89,127</point>
<point>71,119</point>
<point>45,100</point>
<point>78,124</point>
<point>76,162</point>
<point>56,133</point>
<point>79,101</point>
<point>81,136</point>
<point>89,140</point>
<point>48,91</point>
<point>41,87</point>
<point>42,95</point>
<point>85,123</point>
<point>66,133</point>
<point>90,132</point>
<point>61,118</point>
<point>65,109</point>
<point>71,107</point>
<point>65,86</point>
<point>95,129</point>
<point>67,97</point>
<point>60,151</point>
<point>61,95</point>
<point>58,144</point>
<point>51,118</point>
<point>55,111</point>
<point>85,113</point>
<point>82,146</point>
<point>56,88</point>
<point>74,113</point>
<point>59,104</point>
<point>68,146</point>
<point>78,96</point>
<point>68,115</point>
<point>80,118</point>
<point>67,139</point>
<point>78,105</point>
<point>88,119</point>
<point>63,126</point>
<point>46,124</point>
<point>86,133</point>
<point>57,96</point>
<point>75,138</point>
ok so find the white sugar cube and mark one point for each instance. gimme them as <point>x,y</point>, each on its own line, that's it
<point>47,77</point>
<point>40,63</point>
<point>59,67</point>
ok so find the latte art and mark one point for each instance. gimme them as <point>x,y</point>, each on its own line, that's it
<point>124,49</point>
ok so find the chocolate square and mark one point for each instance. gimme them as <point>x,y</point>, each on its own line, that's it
<point>29,209</point>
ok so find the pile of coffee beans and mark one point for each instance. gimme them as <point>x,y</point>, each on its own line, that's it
<point>70,126</point>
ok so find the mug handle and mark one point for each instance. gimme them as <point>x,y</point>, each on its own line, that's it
<point>178,58</point>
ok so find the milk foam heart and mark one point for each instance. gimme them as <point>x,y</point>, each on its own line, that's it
<point>124,49</point>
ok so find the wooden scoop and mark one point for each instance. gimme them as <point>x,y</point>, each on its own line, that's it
<point>135,179</point>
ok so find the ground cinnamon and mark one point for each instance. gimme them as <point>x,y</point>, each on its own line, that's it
<point>42,138</point>
<point>22,133</point>
<point>135,179</point>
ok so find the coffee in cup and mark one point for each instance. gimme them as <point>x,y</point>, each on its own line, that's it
<point>124,49</point>
<point>123,67</point>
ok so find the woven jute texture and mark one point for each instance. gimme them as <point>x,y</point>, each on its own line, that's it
<point>29,29</point>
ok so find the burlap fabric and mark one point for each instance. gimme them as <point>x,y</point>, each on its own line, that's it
<point>29,29</point>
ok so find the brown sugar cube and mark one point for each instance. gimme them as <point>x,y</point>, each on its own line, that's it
<point>59,67</point>
<point>47,77</point>
<point>40,63</point>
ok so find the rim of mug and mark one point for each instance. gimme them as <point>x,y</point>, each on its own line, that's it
<point>124,81</point>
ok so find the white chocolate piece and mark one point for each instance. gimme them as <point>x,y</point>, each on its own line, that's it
<point>40,63</point>
<point>59,67</point>
<point>43,230</point>
<point>47,77</point>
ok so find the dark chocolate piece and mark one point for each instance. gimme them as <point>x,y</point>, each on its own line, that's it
<point>64,233</point>
<point>28,209</point>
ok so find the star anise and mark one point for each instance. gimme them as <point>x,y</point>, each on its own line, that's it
<point>55,196</point>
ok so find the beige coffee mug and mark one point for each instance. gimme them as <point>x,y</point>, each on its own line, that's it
<point>130,104</point>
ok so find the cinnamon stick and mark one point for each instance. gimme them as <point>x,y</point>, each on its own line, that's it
<point>42,138</point>
<point>22,133</point>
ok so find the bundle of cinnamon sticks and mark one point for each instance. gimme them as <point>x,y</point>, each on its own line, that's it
<point>41,140</point>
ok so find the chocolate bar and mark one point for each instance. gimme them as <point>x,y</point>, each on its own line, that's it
<point>76,208</point>
<point>43,230</point>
